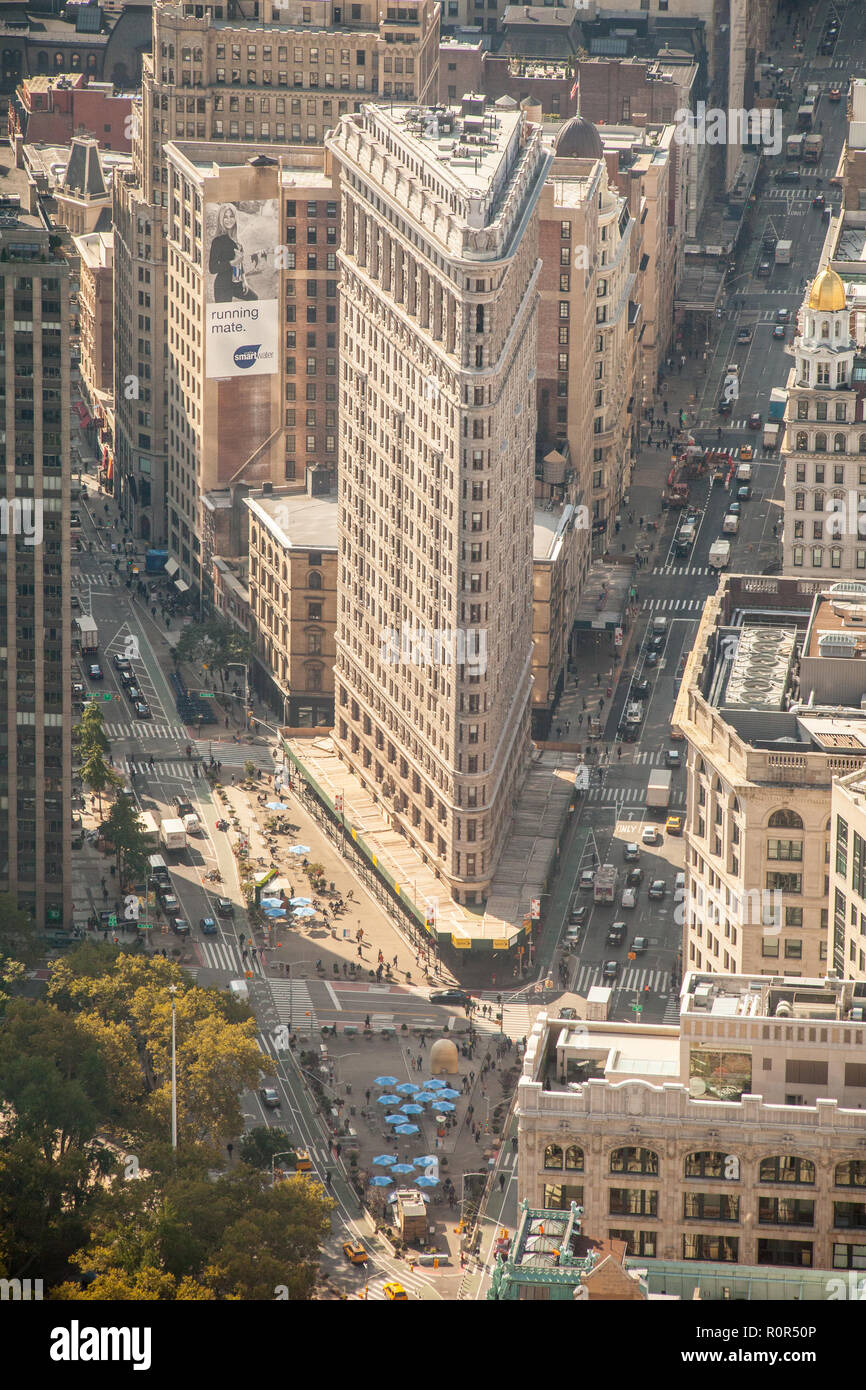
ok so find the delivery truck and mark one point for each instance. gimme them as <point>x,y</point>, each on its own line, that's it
<point>771,434</point>
<point>794,146</point>
<point>778,398</point>
<point>172,834</point>
<point>149,828</point>
<point>784,251</point>
<point>658,792</point>
<point>87,634</point>
<point>604,887</point>
<point>720,555</point>
<point>813,148</point>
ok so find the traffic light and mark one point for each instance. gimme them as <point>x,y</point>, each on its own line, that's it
<point>499,1000</point>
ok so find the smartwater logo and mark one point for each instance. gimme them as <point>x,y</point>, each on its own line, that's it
<point>246,356</point>
<point>77,1343</point>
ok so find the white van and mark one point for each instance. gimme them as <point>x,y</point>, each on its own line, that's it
<point>660,627</point>
<point>731,524</point>
<point>239,990</point>
<point>744,473</point>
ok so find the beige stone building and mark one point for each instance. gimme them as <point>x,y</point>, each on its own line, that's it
<point>293,603</point>
<point>736,1137</point>
<point>848,877</point>
<point>824,447</point>
<point>267,77</point>
<point>772,707</point>
<point>439,299</point>
<point>96,315</point>
<point>585,391</point>
<point>35,582</point>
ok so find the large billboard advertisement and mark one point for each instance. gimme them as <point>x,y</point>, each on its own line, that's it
<point>242,288</point>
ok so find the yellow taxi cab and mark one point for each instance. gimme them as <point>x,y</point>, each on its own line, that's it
<point>355,1254</point>
<point>303,1162</point>
<point>395,1293</point>
<point>674,825</point>
<point>746,452</point>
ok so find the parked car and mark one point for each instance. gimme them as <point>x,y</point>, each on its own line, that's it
<point>629,898</point>
<point>120,663</point>
<point>225,907</point>
<point>657,643</point>
<point>674,825</point>
<point>640,689</point>
<point>639,945</point>
<point>657,888</point>
<point>170,903</point>
<point>650,835</point>
<point>631,852</point>
<point>79,689</point>
<point>587,878</point>
<point>127,678</point>
<point>572,934</point>
<point>269,1097</point>
<point>680,885</point>
<point>208,926</point>
<point>616,934</point>
<point>133,694</point>
<point>449,996</point>
<point>94,671</point>
<point>610,970</point>
<point>651,659</point>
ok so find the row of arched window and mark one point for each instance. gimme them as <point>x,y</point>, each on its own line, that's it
<point>707,1163</point>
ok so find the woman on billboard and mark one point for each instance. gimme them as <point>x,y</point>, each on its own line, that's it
<point>226,262</point>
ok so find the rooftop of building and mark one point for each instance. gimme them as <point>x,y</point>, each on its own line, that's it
<point>18,201</point>
<point>44,82</point>
<point>470,148</point>
<point>550,526</point>
<point>296,520</point>
<point>96,249</point>
<point>782,660</point>
<point>300,166</point>
<point>49,164</point>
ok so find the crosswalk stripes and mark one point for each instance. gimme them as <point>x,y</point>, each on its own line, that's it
<point>145,727</point>
<point>294,1004</point>
<point>694,571</point>
<point>225,955</point>
<point>653,758</point>
<point>162,769</point>
<point>516,1020</point>
<point>229,754</point>
<point>626,795</point>
<point>634,978</point>
<point>673,605</point>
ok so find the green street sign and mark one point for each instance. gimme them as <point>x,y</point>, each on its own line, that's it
<point>112,921</point>
<point>144,926</point>
<point>206,695</point>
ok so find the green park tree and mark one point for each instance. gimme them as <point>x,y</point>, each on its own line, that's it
<point>123,827</point>
<point>98,774</point>
<point>90,733</point>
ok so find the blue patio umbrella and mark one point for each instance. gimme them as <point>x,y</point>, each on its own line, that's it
<point>274,912</point>
<point>305,912</point>
<point>425,1160</point>
<point>412,1109</point>
<point>388,1100</point>
<point>299,849</point>
<point>427,1182</point>
<point>433,1085</point>
<point>304,902</point>
<point>402,1168</point>
<point>384,1160</point>
<point>442,1106</point>
<point>276,806</point>
<point>422,1097</point>
<point>408,1088</point>
<point>272,902</point>
<point>407,1129</point>
<point>385,1081</point>
<point>448,1094</point>
<point>395,1119</point>
<point>381,1182</point>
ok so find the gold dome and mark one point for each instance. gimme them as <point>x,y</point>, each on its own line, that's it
<point>827,292</point>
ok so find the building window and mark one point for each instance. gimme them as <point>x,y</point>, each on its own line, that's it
<point>789,1168</point>
<point>644,1161</point>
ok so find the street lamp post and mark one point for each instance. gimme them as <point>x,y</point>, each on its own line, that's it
<point>281,1153</point>
<point>172,989</point>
